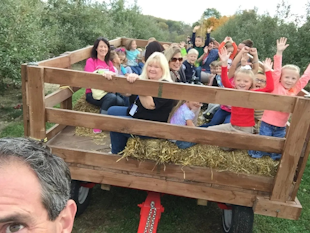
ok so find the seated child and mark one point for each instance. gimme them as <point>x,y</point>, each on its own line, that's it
<point>184,113</point>
<point>189,65</point>
<point>120,69</point>
<point>121,52</point>
<point>242,119</point>
<point>132,54</point>
<point>287,81</point>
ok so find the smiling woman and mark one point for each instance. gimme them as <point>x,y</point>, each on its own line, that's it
<point>100,62</point>
<point>144,107</point>
<point>175,59</point>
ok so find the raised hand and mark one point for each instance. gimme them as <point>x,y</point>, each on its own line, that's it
<point>253,51</point>
<point>224,55</point>
<point>268,64</point>
<point>227,38</point>
<point>132,77</point>
<point>196,28</point>
<point>209,29</point>
<point>281,45</point>
<point>244,59</point>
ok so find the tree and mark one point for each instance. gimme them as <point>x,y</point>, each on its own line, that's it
<point>211,12</point>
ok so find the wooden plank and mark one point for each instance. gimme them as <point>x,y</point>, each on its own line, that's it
<point>67,103</point>
<point>294,147</point>
<point>25,99</point>
<point>116,42</point>
<point>60,62</point>
<point>301,168</point>
<point>163,186</point>
<point>54,130</point>
<point>57,97</point>
<point>178,91</point>
<point>196,174</point>
<point>36,102</point>
<point>287,210</point>
<point>164,130</point>
<point>140,43</point>
<point>80,54</point>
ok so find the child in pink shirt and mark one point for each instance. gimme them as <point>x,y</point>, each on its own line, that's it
<point>286,82</point>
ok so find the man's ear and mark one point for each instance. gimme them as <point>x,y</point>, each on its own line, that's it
<point>66,217</point>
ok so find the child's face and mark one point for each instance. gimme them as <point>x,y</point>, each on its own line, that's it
<point>243,81</point>
<point>211,46</point>
<point>117,60</point>
<point>198,42</point>
<point>133,45</point>
<point>193,105</point>
<point>122,57</point>
<point>182,44</point>
<point>218,70</point>
<point>289,78</point>
<point>230,50</point>
<point>192,58</point>
<point>213,69</point>
<point>259,81</point>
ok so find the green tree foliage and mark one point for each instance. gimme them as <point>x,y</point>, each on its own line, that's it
<point>212,12</point>
<point>33,30</point>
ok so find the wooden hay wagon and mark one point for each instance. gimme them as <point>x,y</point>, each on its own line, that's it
<point>241,194</point>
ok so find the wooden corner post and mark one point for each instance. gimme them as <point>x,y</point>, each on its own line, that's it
<point>25,99</point>
<point>36,102</point>
<point>294,147</point>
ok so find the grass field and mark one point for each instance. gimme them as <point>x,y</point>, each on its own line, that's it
<point>116,211</point>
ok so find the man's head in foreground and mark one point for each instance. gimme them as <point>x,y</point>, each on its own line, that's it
<point>34,189</point>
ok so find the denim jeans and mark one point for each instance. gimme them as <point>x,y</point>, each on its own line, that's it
<point>268,130</point>
<point>220,117</point>
<point>119,140</point>
<point>110,99</point>
<point>198,74</point>
<point>137,69</point>
<point>184,145</point>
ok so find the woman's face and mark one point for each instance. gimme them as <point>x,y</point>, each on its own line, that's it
<point>176,62</point>
<point>154,71</point>
<point>102,49</point>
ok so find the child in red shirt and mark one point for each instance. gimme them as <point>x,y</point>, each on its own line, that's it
<point>242,119</point>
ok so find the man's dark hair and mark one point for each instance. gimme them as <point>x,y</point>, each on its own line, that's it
<point>52,171</point>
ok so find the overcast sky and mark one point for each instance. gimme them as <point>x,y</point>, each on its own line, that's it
<point>190,11</point>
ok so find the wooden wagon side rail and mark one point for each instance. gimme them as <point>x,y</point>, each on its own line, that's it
<point>164,130</point>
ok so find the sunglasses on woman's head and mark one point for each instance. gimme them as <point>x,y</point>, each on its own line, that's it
<point>174,59</point>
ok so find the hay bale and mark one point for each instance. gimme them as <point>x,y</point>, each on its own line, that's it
<point>83,106</point>
<point>163,151</point>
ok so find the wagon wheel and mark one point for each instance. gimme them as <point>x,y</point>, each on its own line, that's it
<point>81,195</point>
<point>238,219</point>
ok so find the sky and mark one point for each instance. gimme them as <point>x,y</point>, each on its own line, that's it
<point>190,11</point>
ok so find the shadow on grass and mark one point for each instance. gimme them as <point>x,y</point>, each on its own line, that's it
<point>116,211</point>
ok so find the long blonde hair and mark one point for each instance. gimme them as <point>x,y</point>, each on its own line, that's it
<point>175,108</point>
<point>160,59</point>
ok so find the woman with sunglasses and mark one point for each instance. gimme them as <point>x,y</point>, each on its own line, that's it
<point>175,59</point>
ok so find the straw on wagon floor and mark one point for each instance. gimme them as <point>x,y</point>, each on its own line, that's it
<point>83,106</point>
<point>163,151</point>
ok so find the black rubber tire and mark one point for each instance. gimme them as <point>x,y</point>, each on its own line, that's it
<point>75,188</point>
<point>242,220</point>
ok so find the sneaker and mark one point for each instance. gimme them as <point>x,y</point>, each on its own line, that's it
<point>97,131</point>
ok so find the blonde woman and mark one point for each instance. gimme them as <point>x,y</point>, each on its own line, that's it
<point>151,108</point>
